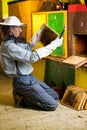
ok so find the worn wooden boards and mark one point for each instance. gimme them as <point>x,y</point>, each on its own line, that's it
<point>75,97</point>
<point>75,61</point>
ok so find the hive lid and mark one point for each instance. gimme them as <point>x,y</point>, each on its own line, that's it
<point>75,61</point>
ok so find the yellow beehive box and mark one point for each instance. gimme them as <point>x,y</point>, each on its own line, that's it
<point>39,67</point>
<point>4,8</point>
<point>81,77</point>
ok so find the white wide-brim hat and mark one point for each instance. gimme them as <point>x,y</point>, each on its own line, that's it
<point>12,21</point>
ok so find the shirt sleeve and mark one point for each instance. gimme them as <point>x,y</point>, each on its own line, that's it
<point>22,53</point>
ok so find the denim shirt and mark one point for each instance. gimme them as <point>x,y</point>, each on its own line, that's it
<point>20,53</point>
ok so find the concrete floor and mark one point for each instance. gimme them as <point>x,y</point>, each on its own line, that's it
<point>12,118</point>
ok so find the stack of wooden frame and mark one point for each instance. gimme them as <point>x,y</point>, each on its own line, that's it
<point>75,97</point>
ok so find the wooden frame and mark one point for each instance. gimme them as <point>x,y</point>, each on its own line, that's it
<point>75,97</point>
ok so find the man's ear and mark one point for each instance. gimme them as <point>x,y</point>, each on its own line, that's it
<point>11,30</point>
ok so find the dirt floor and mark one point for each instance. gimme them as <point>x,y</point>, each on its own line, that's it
<point>12,118</point>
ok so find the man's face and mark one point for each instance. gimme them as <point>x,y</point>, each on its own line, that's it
<point>16,30</point>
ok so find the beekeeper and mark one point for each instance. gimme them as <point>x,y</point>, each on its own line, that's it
<point>16,56</point>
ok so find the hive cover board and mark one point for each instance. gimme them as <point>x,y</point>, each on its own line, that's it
<point>75,97</point>
<point>48,35</point>
<point>75,61</point>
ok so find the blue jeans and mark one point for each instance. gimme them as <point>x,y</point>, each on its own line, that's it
<point>35,92</point>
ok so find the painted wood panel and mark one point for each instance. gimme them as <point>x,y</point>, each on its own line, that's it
<point>81,77</point>
<point>59,75</point>
<point>56,20</point>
